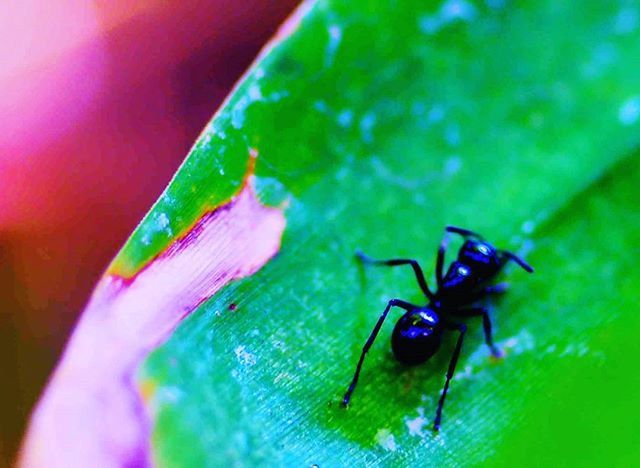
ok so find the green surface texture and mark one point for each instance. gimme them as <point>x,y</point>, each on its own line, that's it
<point>379,122</point>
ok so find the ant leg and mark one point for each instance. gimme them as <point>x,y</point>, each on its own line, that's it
<point>462,328</point>
<point>440,259</point>
<point>486,325</point>
<point>392,303</point>
<point>506,256</point>
<point>463,232</point>
<point>499,288</point>
<point>400,261</point>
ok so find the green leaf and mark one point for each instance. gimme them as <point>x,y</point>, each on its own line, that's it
<point>377,123</point>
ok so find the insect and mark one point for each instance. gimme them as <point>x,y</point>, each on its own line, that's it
<point>418,333</point>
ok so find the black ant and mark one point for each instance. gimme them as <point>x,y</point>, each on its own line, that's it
<point>418,333</point>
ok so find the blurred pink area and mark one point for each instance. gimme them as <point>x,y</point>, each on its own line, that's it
<point>99,104</point>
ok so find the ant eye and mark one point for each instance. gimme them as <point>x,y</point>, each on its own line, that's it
<point>428,318</point>
<point>483,249</point>
<point>463,270</point>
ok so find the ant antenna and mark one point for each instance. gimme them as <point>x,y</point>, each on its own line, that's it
<point>463,232</point>
<point>518,260</point>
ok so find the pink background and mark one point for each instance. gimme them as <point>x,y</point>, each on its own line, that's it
<point>99,103</point>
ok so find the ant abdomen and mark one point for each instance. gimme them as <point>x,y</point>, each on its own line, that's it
<point>416,336</point>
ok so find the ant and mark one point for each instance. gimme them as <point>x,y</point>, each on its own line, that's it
<point>418,333</point>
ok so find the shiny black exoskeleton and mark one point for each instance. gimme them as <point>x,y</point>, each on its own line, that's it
<point>418,333</point>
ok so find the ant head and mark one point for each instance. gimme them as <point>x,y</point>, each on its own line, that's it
<point>479,255</point>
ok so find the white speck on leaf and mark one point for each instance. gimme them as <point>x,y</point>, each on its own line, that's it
<point>450,11</point>
<point>254,92</point>
<point>458,9</point>
<point>385,439</point>
<point>278,344</point>
<point>528,227</point>
<point>237,113</point>
<point>626,20</point>
<point>334,32</point>
<point>575,349</point>
<point>629,111</point>
<point>277,96</point>
<point>163,223</point>
<point>366,125</point>
<point>345,118</point>
<point>244,357</point>
<point>342,173</point>
<point>452,135</point>
<point>417,424</point>
<point>520,343</point>
<point>603,56</point>
<point>436,114</point>
<point>527,247</point>
<point>320,106</point>
<point>239,110</point>
<point>463,374</point>
<point>281,376</point>
<point>452,165</point>
<point>171,394</point>
<point>429,24</point>
<point>335,36</point>
<point>163,220</point>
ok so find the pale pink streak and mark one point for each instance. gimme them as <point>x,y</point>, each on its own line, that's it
<point>91,414</point>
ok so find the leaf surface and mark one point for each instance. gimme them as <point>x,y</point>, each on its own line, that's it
<point>377,123</point>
